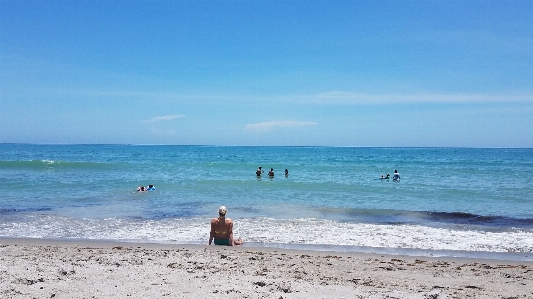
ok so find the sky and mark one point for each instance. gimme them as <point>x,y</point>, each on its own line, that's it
<point>282,73</point>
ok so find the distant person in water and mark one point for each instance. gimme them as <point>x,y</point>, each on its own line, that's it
<point>396,176</point>
<point>141,189</point>
<point>151,187</point>
<point>259,171</point>
<point>286,172</point>
<point>222,230</point>
<point>271,172</point>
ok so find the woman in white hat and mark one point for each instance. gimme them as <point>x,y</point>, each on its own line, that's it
<point>222,230</point>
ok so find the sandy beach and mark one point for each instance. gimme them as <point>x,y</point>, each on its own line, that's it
<point>82,269</point>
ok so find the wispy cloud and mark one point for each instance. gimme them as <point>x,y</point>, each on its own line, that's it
<point>164,117</point>
<point>267,126</point>
<point>352,98</point>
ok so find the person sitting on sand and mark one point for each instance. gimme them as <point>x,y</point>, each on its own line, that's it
<point>222,230</point>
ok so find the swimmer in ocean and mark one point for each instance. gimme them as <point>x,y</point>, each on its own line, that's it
<point>396,176</point>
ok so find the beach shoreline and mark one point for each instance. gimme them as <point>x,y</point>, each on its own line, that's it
<point>37,268</point>
<point>526,257</point>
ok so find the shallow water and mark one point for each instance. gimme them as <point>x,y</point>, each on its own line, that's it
<point>448,199</point>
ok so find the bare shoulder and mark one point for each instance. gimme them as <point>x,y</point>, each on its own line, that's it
<point>214,221</point>
<point>229,221</point>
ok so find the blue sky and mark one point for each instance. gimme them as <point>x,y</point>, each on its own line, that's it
<point>332,73</point>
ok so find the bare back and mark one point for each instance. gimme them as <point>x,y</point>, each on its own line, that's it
<point>221,228</point>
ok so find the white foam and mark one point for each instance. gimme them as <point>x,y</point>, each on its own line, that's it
<point>314,231</point>
<point>275,231</point>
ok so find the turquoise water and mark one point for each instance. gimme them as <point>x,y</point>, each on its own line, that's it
<point>448,199</point>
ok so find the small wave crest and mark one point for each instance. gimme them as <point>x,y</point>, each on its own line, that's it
<point>51,164</point>
<point>473,219</point>
<point>384,216</point>
<point>306,231</point>
<point>8,211</point>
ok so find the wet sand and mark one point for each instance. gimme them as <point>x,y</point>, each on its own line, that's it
<point>33,268</point>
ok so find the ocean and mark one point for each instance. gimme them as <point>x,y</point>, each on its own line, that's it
<point>471,202</point>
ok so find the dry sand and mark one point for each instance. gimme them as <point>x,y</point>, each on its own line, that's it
<point>60,269</point>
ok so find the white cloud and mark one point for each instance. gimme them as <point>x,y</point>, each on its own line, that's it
<point>353,98</point>
<point>267,126</point>
<point>164,117</point>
